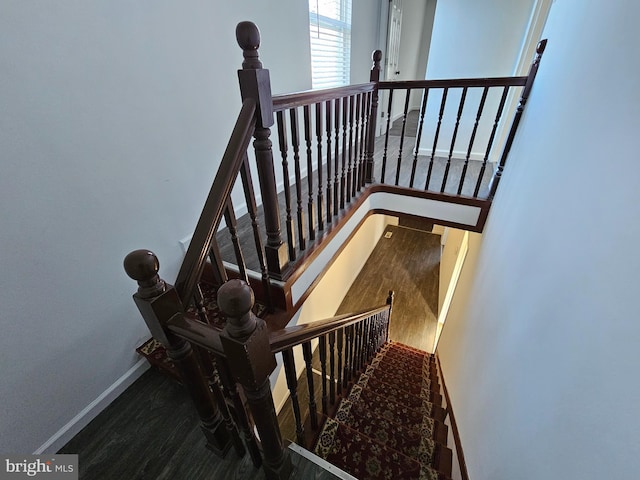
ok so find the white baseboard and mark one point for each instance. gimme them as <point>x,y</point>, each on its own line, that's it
<point>91,411</point>
<point>456,154</point>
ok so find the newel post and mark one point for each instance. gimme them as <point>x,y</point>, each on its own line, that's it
<point>374,76</point>
<point>533,70</point>
<point>158,302</point>
<point>245,341</point>
<point>255,83</point>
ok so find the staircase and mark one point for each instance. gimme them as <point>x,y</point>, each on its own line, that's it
<point>390,425</point>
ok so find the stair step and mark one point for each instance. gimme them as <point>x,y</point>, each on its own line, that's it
<point>358,416</point>
<point>365,458</point>
<point>399,393</point>
<point>391,417</point>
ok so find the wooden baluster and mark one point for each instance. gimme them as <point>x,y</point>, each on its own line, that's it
<point>255,83</point>
<point>365,130</point>
<point>158,302</point>
<point>198,300</point>
<point>343,177</point>
<point>313,410</point>
<point>435,138</point>
<point>404,125</point>
<point>250,198</point>
<point>492,136</point>
<point>352,352</point>
<point>361,139</point>
<point>232,226</point>
<point>355,367</point>
<point>282,138</point>
<point>332,375</point>
<point>358,351</point>
<point>386,137</point>
<point>292,384</point>
<point>322,349</point>
<point>295,141</point>
<point>368,333</point>
<point>320,197</point>
<point>310,209</point>
<point>472,139</point>
<point>219,272</point>
<point>329,131</point>
<point>374,76</point>
<point>416,151</point>
<point>453,139</point>
<point>245,341</point>
<point>336,159</point>
<point>347,356</point>
<point>533,70</point>
<point>230,389</point>
<point>340,375</point>
<point>209,371</point>
<point>357,166</point>
<point>349,193</point>
<point>390,300</point>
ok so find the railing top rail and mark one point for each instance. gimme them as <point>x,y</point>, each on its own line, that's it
<point>308,97</point>
<point>456,82</point>
<point>291,336</point>
<point>197,333</point>
<point>211,215</point>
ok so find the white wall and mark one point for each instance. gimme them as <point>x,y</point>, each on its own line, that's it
<point>471,39</point>
<point>365,37</point>
<point>540,356</point>
<point>114,116</point>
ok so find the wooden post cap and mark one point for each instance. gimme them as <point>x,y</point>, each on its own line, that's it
<point>376,56</point>
<point>143,266</point>
<point>542,44</point>
<point>248,38</point>
<point>235,300</point>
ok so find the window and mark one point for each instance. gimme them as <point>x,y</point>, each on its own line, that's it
<point>330,30</point>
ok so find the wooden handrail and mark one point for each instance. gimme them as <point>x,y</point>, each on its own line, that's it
<point>196,332</point>
<point>308,97</point>
<point>291,336</point>
<point>456,82</point>
<point>211,215</point>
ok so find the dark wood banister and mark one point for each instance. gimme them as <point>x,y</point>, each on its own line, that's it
<point>456,82</point>
<point>292,336</point>
<point>308,97</point>
<point>195,258</point>
<point>208,337</point>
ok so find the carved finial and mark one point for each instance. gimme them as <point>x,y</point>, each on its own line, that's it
<point>542,44</point>
<point>143,266</point>
<point>374,74</point>
<point>248,37</point>
<point>235,299</point>
<point>390,297</point>
<point>376,56</point>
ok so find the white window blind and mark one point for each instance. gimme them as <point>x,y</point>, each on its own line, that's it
<point>330,29</point>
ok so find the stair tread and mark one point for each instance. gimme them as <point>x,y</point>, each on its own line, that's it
<point>364,457</point>
<point>395,403</point>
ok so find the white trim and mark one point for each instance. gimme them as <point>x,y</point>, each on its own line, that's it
<point>459,154</point>
<point>91,411</point>
<point>453,283</point>
<point>321,462</point>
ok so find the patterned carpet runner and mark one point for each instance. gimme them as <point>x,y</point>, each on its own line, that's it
<point>389,426</point>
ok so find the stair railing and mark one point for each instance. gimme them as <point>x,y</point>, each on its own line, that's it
<point>469,122</point>
<point>213,364</point>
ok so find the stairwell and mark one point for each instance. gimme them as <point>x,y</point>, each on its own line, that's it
<point>391,422</point>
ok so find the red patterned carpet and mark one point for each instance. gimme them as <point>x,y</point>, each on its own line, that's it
<point>390,425</point>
